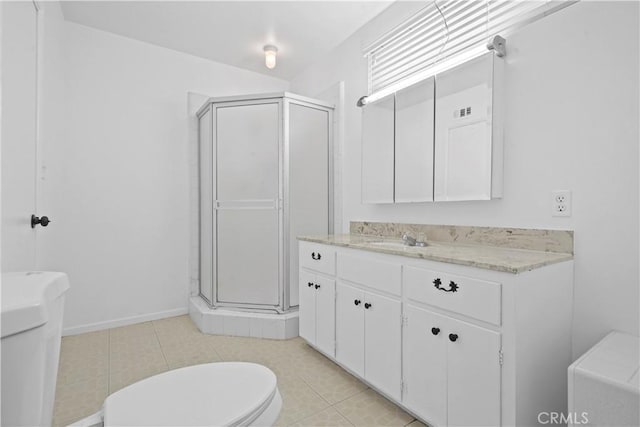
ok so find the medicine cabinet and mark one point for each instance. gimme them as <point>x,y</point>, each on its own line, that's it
<point>437,140</point>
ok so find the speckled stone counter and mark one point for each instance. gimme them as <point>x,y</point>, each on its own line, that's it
<point>490,257</point>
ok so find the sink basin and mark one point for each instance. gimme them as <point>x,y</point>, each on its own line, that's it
<point>392,245</point>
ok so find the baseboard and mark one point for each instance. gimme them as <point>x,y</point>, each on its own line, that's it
<point>108,324</point>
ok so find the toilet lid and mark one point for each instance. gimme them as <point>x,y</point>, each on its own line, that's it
<point>213,394</point>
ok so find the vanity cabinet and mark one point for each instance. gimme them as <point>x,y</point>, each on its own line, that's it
<point>455,345</point>
<point>368,337</point>
<point>317,296</point>
<point>451,369</point>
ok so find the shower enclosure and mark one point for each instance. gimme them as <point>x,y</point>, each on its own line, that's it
<point>265,178</point>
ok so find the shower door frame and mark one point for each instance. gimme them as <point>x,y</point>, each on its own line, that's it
<point>282,203</point>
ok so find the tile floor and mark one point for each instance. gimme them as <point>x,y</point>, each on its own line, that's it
<point>315,391</point>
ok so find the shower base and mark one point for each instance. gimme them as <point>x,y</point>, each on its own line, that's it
<point>227,321</point>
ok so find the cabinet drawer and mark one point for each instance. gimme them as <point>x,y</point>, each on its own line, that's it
<point>471,297</point>
<point>316,257</point>
<point>371,272</point>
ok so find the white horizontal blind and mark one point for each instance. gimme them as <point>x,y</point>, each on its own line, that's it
<point>444,34</point>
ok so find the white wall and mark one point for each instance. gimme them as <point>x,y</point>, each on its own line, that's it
<point>572,123</point>
<point>116,183</point>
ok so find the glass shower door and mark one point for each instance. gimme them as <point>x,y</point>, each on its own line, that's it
<point>247,204</point>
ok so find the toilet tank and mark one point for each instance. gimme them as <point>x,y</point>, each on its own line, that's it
<point>604,388</point>
<point>31,324</point>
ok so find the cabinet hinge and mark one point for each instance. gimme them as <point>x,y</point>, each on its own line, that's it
<point>500,357</point>
<point>404,320</point>
<point>403,388</point>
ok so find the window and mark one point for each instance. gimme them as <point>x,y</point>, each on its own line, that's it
<point>444,34</point>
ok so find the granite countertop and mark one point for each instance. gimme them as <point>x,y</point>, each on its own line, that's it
<point>482,256</point>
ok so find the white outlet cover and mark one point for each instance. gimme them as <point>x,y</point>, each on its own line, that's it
<point>561,203</point>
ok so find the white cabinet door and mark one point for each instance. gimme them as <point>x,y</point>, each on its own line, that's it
<point>414,143</point>
<point>307,310</point>
<point>350,327</point>
<point>463,131</point>
<point>18,137</point>
<point>325,290</point>
<point>377,151</point>
<point>425,365</point>
<point>473,375</point>
<point>383,343</point>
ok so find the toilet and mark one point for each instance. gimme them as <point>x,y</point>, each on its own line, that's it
<point>211,394</point>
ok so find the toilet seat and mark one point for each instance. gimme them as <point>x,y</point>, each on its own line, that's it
<point>212,394</point>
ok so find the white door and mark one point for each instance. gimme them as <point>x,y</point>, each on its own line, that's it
<point>382,343</point>
<point>307,310</point>
<point>325,314</point>
<point>18,135</point>
<point>425,365</point>
<point>247,203</point>
<point>350,327</point>
<point>377,151</point>
<point>473,375</point>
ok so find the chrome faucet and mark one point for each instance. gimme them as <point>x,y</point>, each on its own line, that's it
<point>408,240</point>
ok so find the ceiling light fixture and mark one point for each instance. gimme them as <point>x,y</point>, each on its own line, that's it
<point>270,52</point>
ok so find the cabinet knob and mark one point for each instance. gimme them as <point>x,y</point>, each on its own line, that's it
<point>43,221</point>
<point>453,337</point>
<point>317,286</point>
<point>357,302</point>
<point>309,284</point>
<point>435,331</point>
<point>316,256</point>
<point>367,305</point>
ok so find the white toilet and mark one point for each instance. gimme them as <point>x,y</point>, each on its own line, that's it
<point>212,394</point>
<point>32,306</point>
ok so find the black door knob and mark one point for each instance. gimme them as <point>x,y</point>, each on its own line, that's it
<point>435,331</point>
<point>316,257</point>
<point>357,302</point>
<point>309,284</point>
<point>43,221</point>
<point>367,305</point>
<point>453,337</point>
<point>317,286</point>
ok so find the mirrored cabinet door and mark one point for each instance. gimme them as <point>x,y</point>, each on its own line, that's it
<point>414,143</point>
<point>377,151</point>
<point>463,131</point>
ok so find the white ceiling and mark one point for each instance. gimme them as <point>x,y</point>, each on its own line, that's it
<point>233,32</point>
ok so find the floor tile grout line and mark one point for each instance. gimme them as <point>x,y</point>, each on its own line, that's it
<point>155,333</point>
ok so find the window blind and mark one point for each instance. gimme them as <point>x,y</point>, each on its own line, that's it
<point>443,34</point>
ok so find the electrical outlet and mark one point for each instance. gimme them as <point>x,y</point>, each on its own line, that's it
<point>561,203</point>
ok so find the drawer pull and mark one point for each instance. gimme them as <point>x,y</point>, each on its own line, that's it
<point>453,286</point>
<point>309,284</point>
<point>453,337</point>
<point>357,302</point>
<point>435,331</point>
<point>317,286</point>
<point>367,305</point>
<point>316,257</point>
